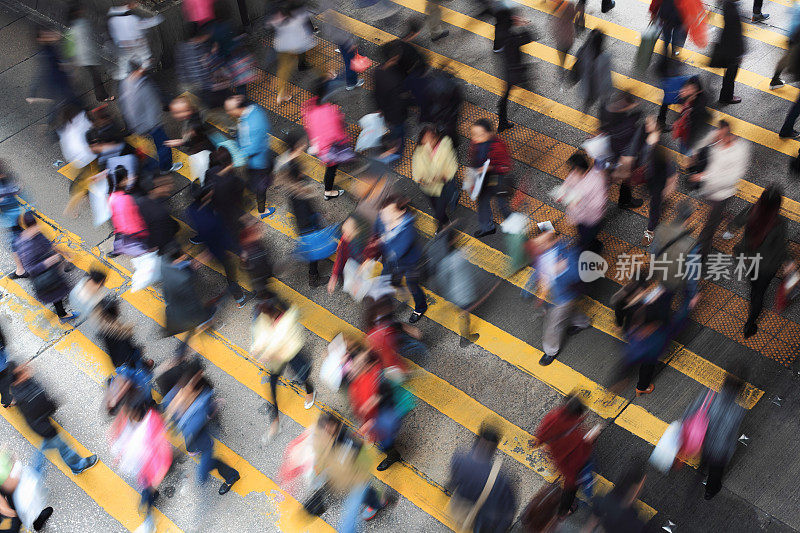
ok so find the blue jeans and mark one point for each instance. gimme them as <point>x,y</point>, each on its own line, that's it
<point>350,76</point>
<point>412,283</point>
<point>164,152</point>
<point>351,508</point>
<point>68,455</point>
<point>674,34</point>
<point>204,444</point>
<point>485,206</point>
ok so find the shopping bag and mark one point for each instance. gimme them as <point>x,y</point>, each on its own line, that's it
<point>360,63</point>
<point>98,202</point>
<point>318,244</point>
<point>666,450</point>
<point>693,430</point>
<point>198,164</point>
<point>473,180</point>
<point>372,129</point>
<point>671,87</point>
<point>30,496</point>
<point>787,291</point>
<point>646,46</point>
<point>298,462</point>
<point>147,271</point>
<point>331,371</point>
<point>515,228</point>
<point>598,147</point>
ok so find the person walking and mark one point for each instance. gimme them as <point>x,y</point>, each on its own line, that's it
<point>570,445</point>
<point>729,50</point>
<point>486,146</point>
<point>763,249</point>
<point>515,69</point>
<point>10,476</point>
<point>252,138</point>
<point>433,11</point>
<point>433,167</point>
<point>728,158</point>
<point>593,69</point>
<point>141,108</point>
<point>327,137</point>
<point>43,265</point>
<point>82,50</point>
<point>673,29</point>
<point>689,128</point>
<point>585,193</point>
<point>36,408</point>
<point>129,33</point>
<point>198,69</point>
<point>673,246</point>
<point>400,250</point>
<point>483,497</point>
<point>659,173</point>
<point>619,120</point>
<point>294,37</point>
<point>556,274</point>
<point>615,511</point>
<point>390,95</point>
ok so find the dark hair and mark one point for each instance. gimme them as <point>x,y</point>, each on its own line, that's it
<point>764,215</point>
<point>578,160</point>
<point>489,435</point>
<point>96,275</point>
<point>484,123</point>
<point>110,306</point>
<point>695,80</point>
<point>574,405</point>
<point>724,124</point>
<point>595,42</point>
<point>633,475</point>
<point>115,177</point>
<point>294,138</point>
<point>375,309</point>
<point>391,49</point>
<point>413,27</point>
<point>428,128</point>
<point>28,219</point>
<point>220,157</point>
<point>395,199</point>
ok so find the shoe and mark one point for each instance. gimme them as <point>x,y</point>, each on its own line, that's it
<point>609,7</point>
<point>195,240</point>
<point>648,390</point>
<point>481,233</point>
<point>466,341</point>
<point>727,235</point>
<point>775,83</point>
<point>794,134</point>
<point>112,255</point>
<point>338,192</point>
<point>733,100</point>
<point>633,203</point>
<point>313,280</point>
<point>309,404</point>
<point>760,17</point>
<point>241,301</point>
<point>176,167</point>
<point>225,487</point>
<point>392,457</point>
<point>91,461</point>
<point>498,50</point>
<point>268,212</point>
<point>40,521</point>
<point>503,127</point>
<point>359,83</point>
<point>708,495</point>
<point>14,275</point>
<point>368,513</point>
<point>414,318</point>
<point>547,359</point>
<point>574,330</point>
<point>441,35</point>
<point>148,526</point>
<point>648,237</point>
<point>750,330</point>
<point>69,318</point>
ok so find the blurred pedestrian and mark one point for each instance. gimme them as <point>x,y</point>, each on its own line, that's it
<point>327,137</point>
<point>51,83</point>
<point>675,251</point>
<point>154,209</point>
<point>118,338</point>
<point>673,29</point>
<point>83,48</point>
<point>457,280</point>
<point>571,446</point>
<point>593,69</point>
<point>43,263</point>
<point>585,193</point>
<point>659,174</point>
<point>10,211</point>
<point>252,138</point>
<point>515,70</point>
<point>483,495</point>
<point>556,274</point>
<point>129,33</point>
<point>184,309</point>
<point>400,250</point>
<point>563,29</point>
<point>130,229</point>
<point>689,128</point>
<point>278,343</point>
<point>352,248</point>
<point>433,167</point>
<point>36,407</point>
<point>11,474</point>
<point>442,104</point>
<point>485,146</point>
<point>390,94</point>
<point>763,249</point>
<point>619,120</point>
<point>615,511</point>
<point>294,37</point>
<point>199,69</point>
<point>729,50</point>
<point>433,11</point>
<point>257,260</point>
<point>5,374</point>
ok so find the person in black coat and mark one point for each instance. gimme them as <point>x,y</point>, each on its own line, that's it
<point>154,208</point>
<point>389,93</point>
<point>729,51</point>
<point>515,70</point>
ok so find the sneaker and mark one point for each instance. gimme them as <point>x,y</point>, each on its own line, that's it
<point>547,359</point>
<point>368,513</point>
<point>90,462</point>
<point>441,35</point>
<point>775,83</point>
<point>794,134</point>
<point>40,521</point>
<point>359,83</point>
<point>727,235</point>
<point>760,17</point>
<point>176,167</point>
<point>69,318</point>
<point>268,212</point>
<point>242,301</point>
<point>648,237</point>
<point>308,404</point>
<point>648,390</point>
<point>414,318</point>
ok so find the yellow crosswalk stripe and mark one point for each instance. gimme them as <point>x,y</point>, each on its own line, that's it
<point>563,113</point>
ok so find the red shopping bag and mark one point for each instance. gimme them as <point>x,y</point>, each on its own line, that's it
<point>360,63</point>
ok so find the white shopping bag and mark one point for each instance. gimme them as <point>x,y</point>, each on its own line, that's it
<point>98,202</point>
<point>372,129</point>
<point>598,147</point>
<point>147,271</point>
<point>473,180</point>
<point>30,496</point>
<point>515,223</point>
<point>198,164</point>
<point>331,371</point>
<point>663,455</point>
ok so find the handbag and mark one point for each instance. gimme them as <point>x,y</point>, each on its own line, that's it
<point>360,63</point>
<point>338,153</point>
<point>693,430</point>
<point>663,456</point>
<point>680,128</point>
<point>464,512</point>
<point>648,43</point>
<point>48,281</point>
<point>147,271</point>
<point>318,244</point>
<point>542,509</point>
<point>30,496</point>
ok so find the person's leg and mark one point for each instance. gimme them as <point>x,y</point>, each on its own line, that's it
<point>706,237</point>
<point>350,76</point>
<point>625,195</point>
<point>5,391</point>
<point>231,276</point>
<point>412,282</point>
<point>758,289</point>
<point>662,114</point>
<point>273,389</point>
<point>757,5</point>
<point>655,211</point>
<point>555,322</point>
<point>502,109</point>
<point>726,93</point>
<point>788,125</point>
<point>301,366</point>
<point>434,12</point>
<point>351,509</point>
<point>782,63</point>
<point>714,481</point>
<point>485,221</point>
<point>59,307</point>
<point>164,152</point>
<point>100,93</point>
<point>646,371</point>
<point>68,455</point>
<point>439,204</point>
<point>567,499</point>
<point>287,63</point>
<point>330,177</point>
<point>258,183</point>
<point>228,473</point>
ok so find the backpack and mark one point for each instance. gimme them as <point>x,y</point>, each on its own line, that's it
<point>693,430</point>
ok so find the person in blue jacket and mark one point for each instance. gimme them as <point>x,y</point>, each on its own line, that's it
<point>252,138</point>
<point>399,248</point>
<point>556,274</point>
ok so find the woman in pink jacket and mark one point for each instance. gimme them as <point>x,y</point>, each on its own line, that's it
<point>327,137</point>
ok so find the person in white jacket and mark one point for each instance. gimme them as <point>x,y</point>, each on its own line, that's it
<point>129,33</point>
<point>727,161</point>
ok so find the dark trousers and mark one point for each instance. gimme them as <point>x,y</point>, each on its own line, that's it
<point>726,93</point>
<point>502,106</point>
<point>204,444</point>
<point>301,367</point>
<point>587,237</point>
<point>441,203</point>
<point>757,6</point>
<point>715,218</point>
<point>714,481</point>
<point>59,307</point>
<point>791,118</point>
<point>758,289</point>
<point>258,181</point>
<point>675,34</point>
<point>100,92</point>
<point>646,371</point>
<point>5,392</point>
<point>412,282</point>
<point>330,177</point>
<point>625,194</point>
<point>164,152</point>
<point>502,27</point>
<point>350,76</point>
<point>656,199</point>
<point>499,194</point>
<point>567,498</point>
<point>231,275</point>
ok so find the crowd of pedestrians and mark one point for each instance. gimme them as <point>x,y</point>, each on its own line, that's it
<point>129,191</point>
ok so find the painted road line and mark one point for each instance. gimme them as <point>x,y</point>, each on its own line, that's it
<point>567,115</point>
<point>96,364</point>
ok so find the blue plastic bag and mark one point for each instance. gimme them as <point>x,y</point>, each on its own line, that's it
<point>318,244</point>
<point>671,87</point>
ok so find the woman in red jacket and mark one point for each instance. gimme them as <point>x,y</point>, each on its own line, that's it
<point>485,145</point>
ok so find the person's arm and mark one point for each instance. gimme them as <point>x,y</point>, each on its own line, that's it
<point>450,164</point>
<point>404,241</point>
<point>5,508</point>
<point>145,23</point>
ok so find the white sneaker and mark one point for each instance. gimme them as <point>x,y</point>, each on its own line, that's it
<point>359,83</point>
<point>310,404</point>
<point>148,526</point>
<point>176,167</point>
<point>727,235</point>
